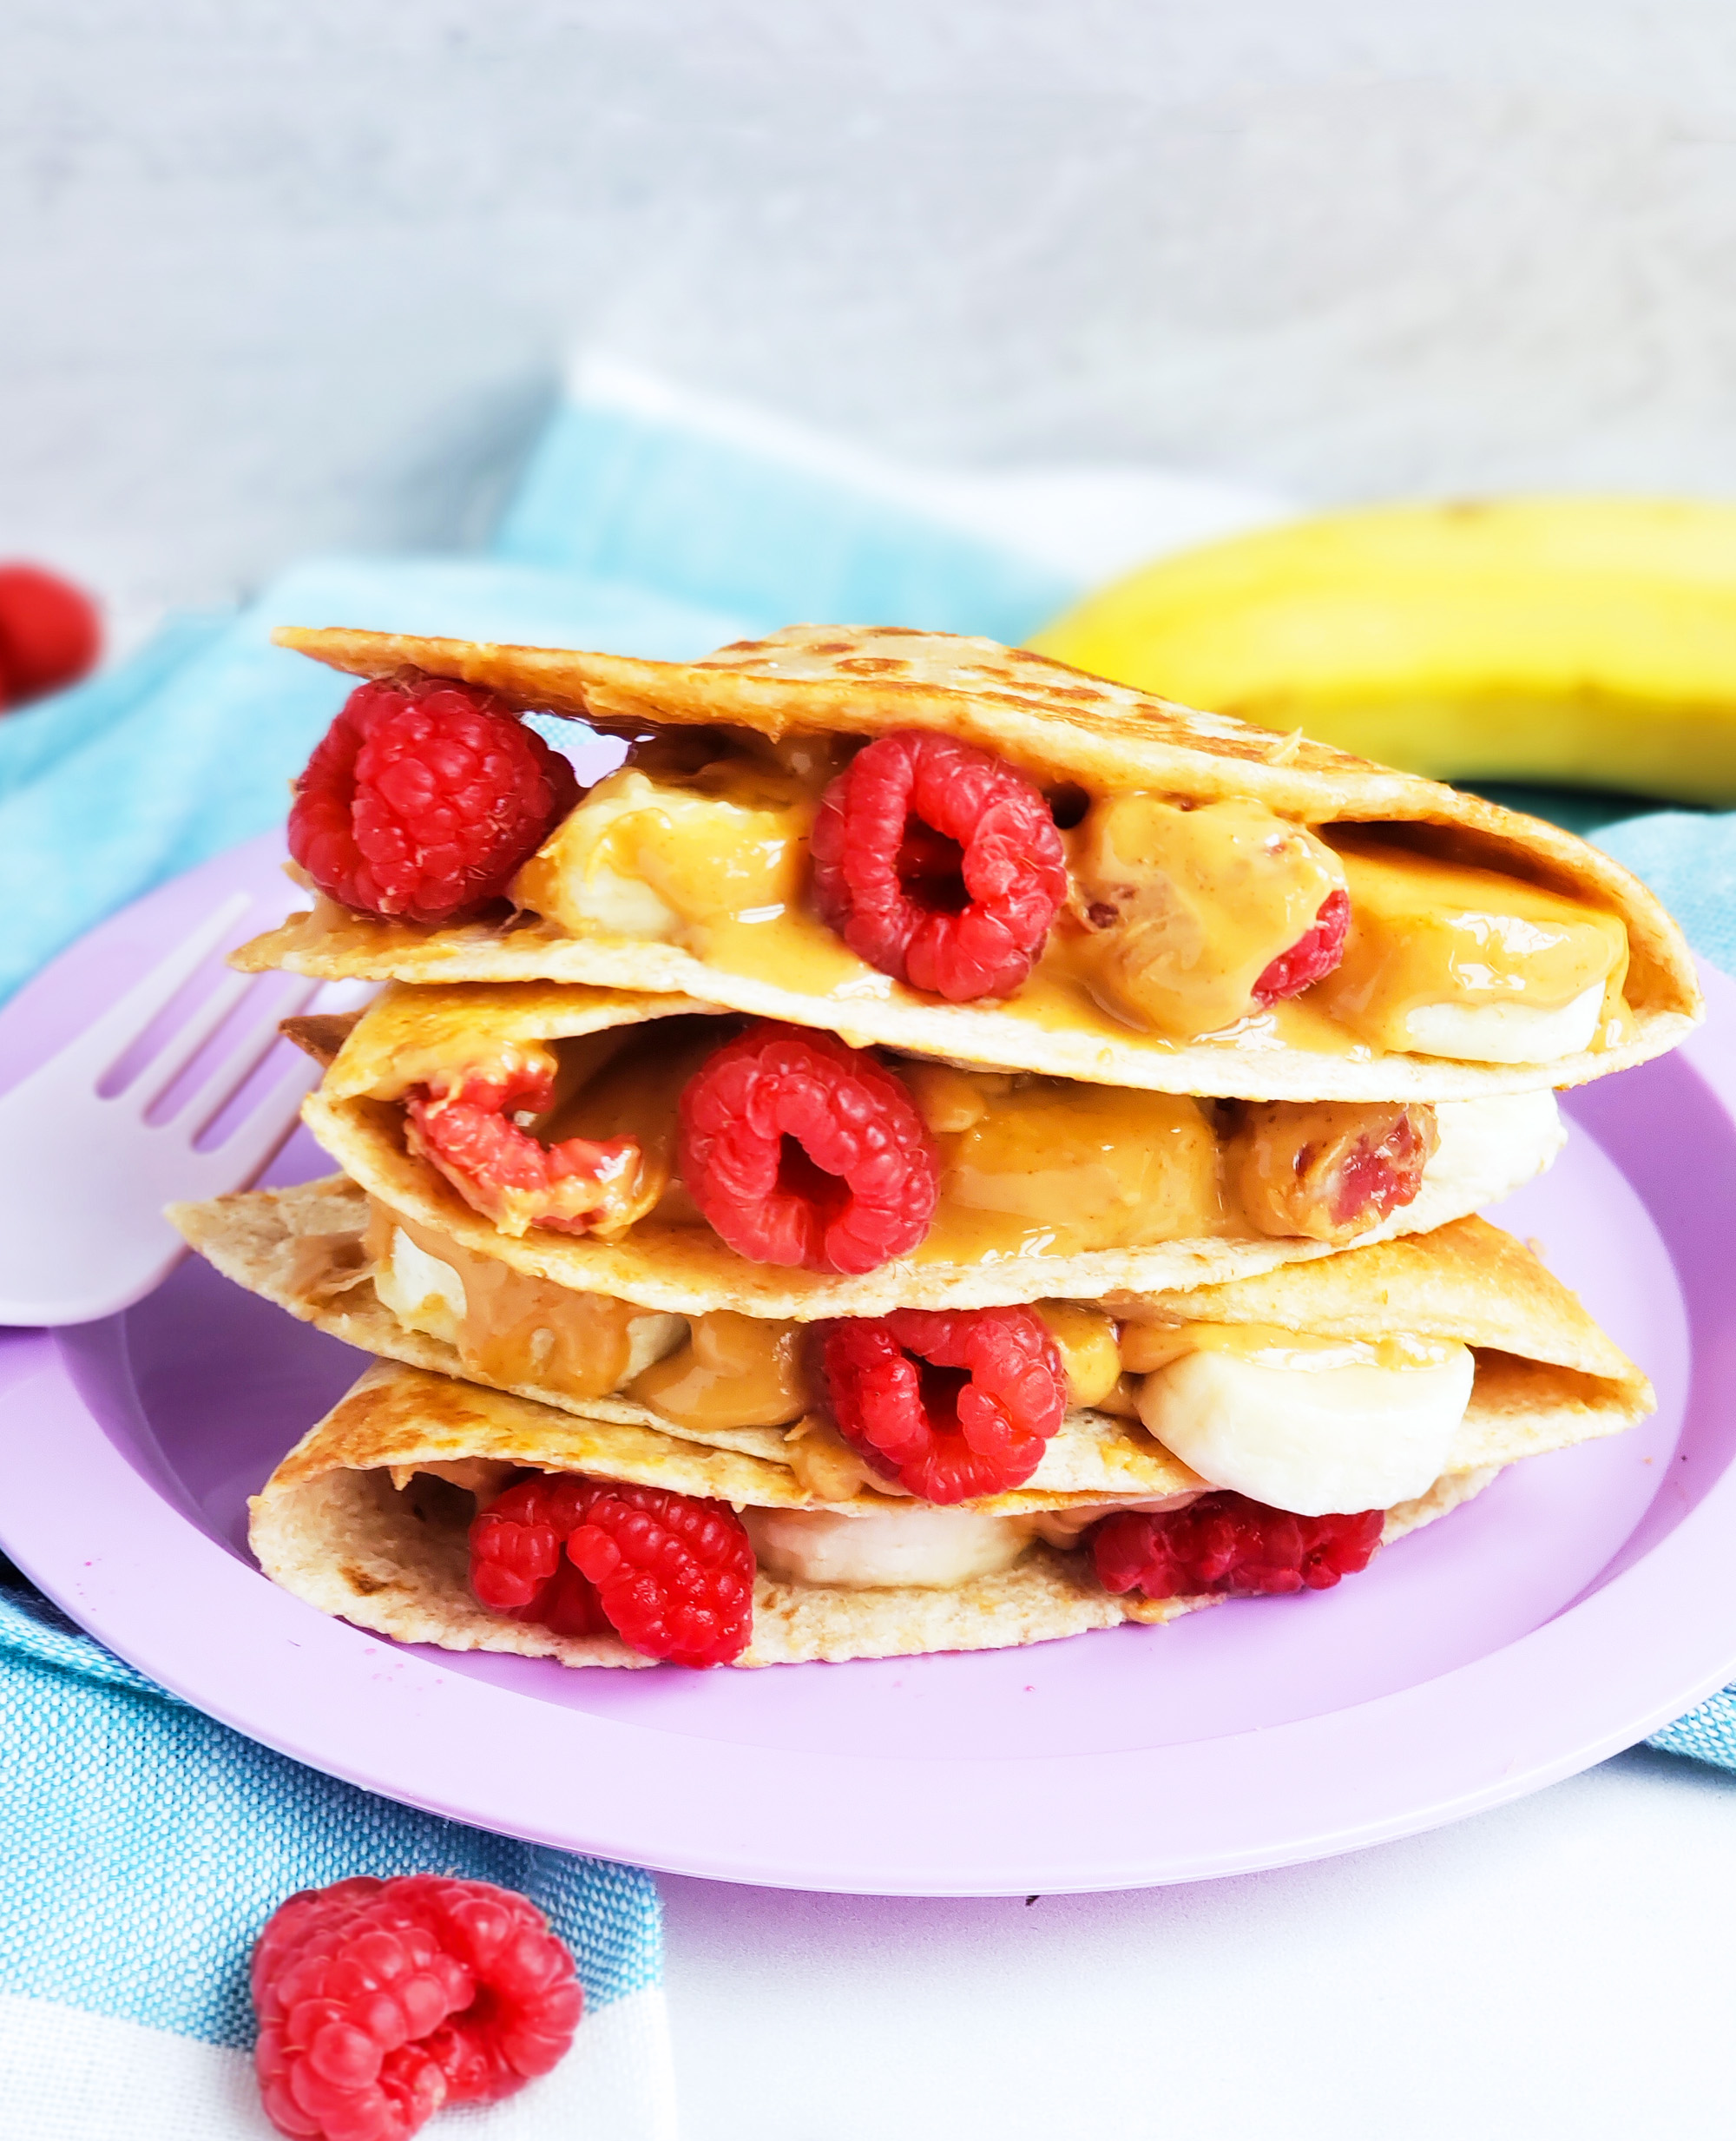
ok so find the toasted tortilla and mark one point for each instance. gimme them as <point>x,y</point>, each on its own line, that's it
<point>330,1527</point>
<point>1062,726</point>
<point>1547,1377</point>
<point>408,1033</point>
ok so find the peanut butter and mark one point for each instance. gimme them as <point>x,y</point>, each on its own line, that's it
<point>511,1328</point>
<point>1424,931</point>
<point>733,1371</point>
<point>1148,1347</point>
<point>1178,912</point>
<point>656,856</point>
<point>1085,1339</point>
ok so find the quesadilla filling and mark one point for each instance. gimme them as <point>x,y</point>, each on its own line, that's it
<point>797,1150</point>
<point>817,863</point>
<point>1309,1423</point>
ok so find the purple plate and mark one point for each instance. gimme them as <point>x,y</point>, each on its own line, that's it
<point>1580,1603</point>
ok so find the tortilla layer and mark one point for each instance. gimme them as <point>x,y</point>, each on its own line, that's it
<point>689,1270</point>
<point>1063,726</point>
<point>329,1526</point>
<point>1547,1377</point>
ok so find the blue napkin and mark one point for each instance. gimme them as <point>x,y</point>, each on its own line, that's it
<point>140,1843</point>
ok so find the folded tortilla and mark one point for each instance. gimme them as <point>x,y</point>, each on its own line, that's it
<point>1490,1146</point>
<point>1060,725</point>
<point>332,1527</point>
<point>1547,1377</point>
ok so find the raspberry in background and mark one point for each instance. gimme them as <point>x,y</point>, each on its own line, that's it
<point>423,798</point>
<point>953,1404</point>
<point>380,2001</point>
<point>670,1574</point>
<point>50,633</point>
<point>939,864</point>
<point>1224,1542</point>
<point>800,1150</point>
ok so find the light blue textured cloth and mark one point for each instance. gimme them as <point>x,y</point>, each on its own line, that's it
<point>142,1843</point>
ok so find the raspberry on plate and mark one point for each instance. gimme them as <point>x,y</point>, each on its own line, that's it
<point>380,2001</point>
<point>953,1404</point>
<point>466,1130</point>
<point>1224,1542</point>
<point>939,864</point>
<point>50,633</point>
<point>800,1150</point>
<point>422,799</point>
<point>1311,957</point>
<point>671,1574</point>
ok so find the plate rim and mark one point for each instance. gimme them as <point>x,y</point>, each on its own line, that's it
<point>1432,1752</point>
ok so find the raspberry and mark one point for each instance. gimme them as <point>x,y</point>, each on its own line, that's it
<point>49,633</point>
<point>500,1170</point>
<point>1223,1542</point>
<point>672,1576</point>
<point>1311,956</point>
<point>379,2002</point>
<point>938,864</point>
<point>422,799</point>
<point>1378,1174</point>
<point>800,1150</point>
<point>951,1403</point>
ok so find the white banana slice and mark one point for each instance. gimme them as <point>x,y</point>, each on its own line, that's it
<point>932,1549</point>
<point>1323,1429</point>
<point>1490,1146</point>
<point>1504,1032</point>
<point>421,1290</point>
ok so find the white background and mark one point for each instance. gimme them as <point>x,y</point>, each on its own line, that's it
<point>284,275</point>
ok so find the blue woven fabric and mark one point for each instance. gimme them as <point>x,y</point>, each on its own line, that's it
<point>145,1846</point>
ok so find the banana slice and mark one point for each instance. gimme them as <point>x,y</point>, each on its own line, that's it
<point>1504,1032</point>
<point>932,1549</point>
<point>1311,1426</point>
<point>421,1290</point>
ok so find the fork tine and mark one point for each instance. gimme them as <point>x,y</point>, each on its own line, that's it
<point>102,1045</point>
<point>180,1050</point>
<point>258,1136</point>
<point>238,1063</point>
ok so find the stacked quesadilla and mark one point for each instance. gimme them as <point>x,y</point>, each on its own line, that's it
<point>936,1151</point>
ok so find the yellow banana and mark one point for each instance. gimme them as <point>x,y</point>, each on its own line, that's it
<point>1590,641</point>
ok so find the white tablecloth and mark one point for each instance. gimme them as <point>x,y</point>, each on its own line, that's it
<point>1562,1967</point>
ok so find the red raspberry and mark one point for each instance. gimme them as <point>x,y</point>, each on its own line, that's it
<point>379,2002</point>
<point>1223,1542</point>
<point>950,1403</point>
<point>501,1171</point>
<point>669,1574</point>
<point>422,799</point>
<point>938,864</point>
<point>50,633</point>
<point>1380,1174</point>
<point>800,1150</point>
<point>1311,956</point>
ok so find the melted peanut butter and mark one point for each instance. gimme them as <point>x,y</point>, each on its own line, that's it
<point>1176,912</point>
<point>734,1372</point>
<point>1173,912</point>
<point>1051,1168</point>
<point>517,1329</point>
<point>650,855</point>
<point>1424,931</point>
<point>1148,1347</point>
<point>1085,1339</point>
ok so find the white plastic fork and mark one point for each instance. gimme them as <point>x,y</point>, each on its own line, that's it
<point>86,1177</point>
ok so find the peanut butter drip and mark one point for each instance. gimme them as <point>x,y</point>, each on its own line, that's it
<point>1177,912</point>
<point>1425,932</point>
<point>734,1370</point>
<point>701,840</point>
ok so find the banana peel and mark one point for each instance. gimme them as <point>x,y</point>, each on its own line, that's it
<point>1588,642</point>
